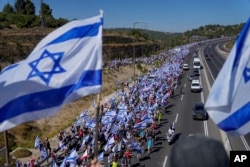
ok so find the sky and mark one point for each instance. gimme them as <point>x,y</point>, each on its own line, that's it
<point>158,15</point>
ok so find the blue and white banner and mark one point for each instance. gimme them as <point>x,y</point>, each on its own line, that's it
<point>101,156</point>
<point>37,142</point>
<point>43,153</point>
<point>65,66</point>
<point>72,157</point>
<point>228,103</point>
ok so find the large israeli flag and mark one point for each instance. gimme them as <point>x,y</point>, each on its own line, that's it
<point>65,65</point>
<point>228,103</point>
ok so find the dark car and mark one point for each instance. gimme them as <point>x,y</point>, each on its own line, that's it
<point>196,72</point>
<point>199,112</point>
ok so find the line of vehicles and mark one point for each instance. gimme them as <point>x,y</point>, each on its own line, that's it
<point>199,112</point>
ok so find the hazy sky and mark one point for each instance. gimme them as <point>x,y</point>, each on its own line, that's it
<point>159,15</point>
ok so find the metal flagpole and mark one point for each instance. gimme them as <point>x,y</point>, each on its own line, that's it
<point>6,148</point>
<point>97,127</point>
<point>97,123</point>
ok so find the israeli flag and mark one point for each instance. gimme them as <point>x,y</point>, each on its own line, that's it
<point>54,164</point>
<point>72,157</point>
<point>37,142</point>
<point>228,103</point>
<point>43,153</point>
<point>141,125</point>
<point>101,156</point>
<point>63,164</point>
<point>65,66</point>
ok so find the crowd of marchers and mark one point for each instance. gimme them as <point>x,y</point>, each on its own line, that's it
<point>129,121</point>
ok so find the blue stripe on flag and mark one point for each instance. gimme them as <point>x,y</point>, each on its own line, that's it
<point>9,67</point>
<point>46,99</point>
<point>237,119</point>
<point>78,32</point>
<point>240,43</point>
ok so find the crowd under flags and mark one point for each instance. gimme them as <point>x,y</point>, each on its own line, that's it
<point>228,103</point>
<point>64,66</point>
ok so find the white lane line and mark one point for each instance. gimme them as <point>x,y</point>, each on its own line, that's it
<point>205,128</point>
<point>203,100</point>
<point>245,143</point>
<point>176,118</point>
<point>181,97</point>
<point>185,85</point>
<point>165,161</point>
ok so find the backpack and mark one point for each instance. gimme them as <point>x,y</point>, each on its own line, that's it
<point>123,146</point>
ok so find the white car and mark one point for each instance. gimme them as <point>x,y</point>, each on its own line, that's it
<point>185,67</point>
<point>195,85</point>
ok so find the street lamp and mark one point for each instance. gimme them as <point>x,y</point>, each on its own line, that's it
<point>134,24</point>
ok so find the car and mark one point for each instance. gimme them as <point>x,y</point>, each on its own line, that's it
<point>195,55</point>
<point>199,112</point>
<point>185,67</point>
<point>195,85</point>
<point>196,72</point>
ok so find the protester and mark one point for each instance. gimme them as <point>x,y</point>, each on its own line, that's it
<point>47,146</point>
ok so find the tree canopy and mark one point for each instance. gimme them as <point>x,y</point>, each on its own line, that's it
<point>22,14</point>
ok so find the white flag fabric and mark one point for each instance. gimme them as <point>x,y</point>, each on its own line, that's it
<point>37,142</point>
<point>228,103</point>
<point>72,157</point>
<point>101,156</point>
<point>43,153</point>
<point>65,66</point>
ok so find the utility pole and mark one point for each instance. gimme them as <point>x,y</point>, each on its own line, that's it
<point>41,14</point>
<point>7,156</point>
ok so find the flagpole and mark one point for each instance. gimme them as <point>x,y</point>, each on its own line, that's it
<point>6,148</point>
<point>97,127</point>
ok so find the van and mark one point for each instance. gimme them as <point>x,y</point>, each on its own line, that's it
<point>197,63</point>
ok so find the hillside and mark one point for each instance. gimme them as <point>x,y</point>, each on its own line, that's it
<point>16,44</point>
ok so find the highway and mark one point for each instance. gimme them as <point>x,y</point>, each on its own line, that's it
<point>179,109</point>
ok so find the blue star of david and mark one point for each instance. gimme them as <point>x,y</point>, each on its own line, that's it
<point>46,75</point>
<point>246,74</point>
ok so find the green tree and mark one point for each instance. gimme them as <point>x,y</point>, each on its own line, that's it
<point>46,11</point>
<point>19,6</point>
<point>46,15</point>
<point>29,8</point>
<point>8,8</point>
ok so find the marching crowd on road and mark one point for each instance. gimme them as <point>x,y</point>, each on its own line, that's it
<point>128,124</point>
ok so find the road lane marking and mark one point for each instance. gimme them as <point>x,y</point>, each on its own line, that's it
<point>185,85</point>
<point>181,97</point>
<point>245,143</point>
<point>205,128</point>
<point>165,161</point>
<point>176,118</point>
